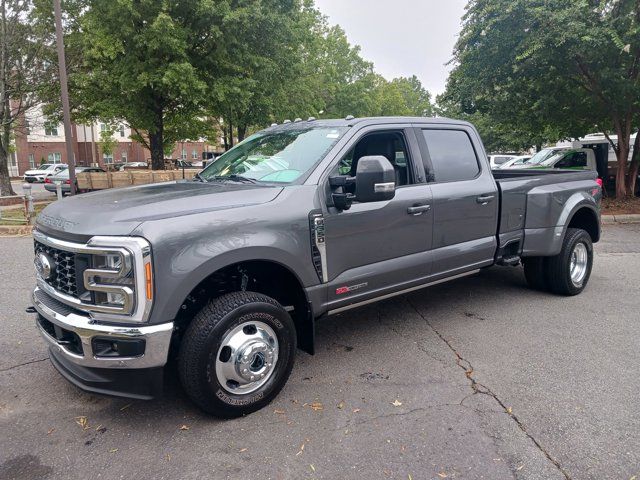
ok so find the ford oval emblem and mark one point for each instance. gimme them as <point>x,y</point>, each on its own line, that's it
<point>43,265</point>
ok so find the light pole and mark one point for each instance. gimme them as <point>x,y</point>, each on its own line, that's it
<point>64,94</point>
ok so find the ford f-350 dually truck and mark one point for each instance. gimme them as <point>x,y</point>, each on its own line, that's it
<point>228,273</point>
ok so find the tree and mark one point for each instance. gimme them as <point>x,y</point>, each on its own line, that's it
<point>107,143</point>
<point>147,63</point>
<point>546,66</point>
<point>25,70</point>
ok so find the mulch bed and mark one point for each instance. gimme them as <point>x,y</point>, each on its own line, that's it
<point>627,206</point>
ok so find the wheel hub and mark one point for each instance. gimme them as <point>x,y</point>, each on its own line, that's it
<point>579,264</point>
<point>247,357</point>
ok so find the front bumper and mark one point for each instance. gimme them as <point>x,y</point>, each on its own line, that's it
<point>70,335</point>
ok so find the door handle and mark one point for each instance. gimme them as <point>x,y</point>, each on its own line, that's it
<point>484,199</point>
<point>418,209</point>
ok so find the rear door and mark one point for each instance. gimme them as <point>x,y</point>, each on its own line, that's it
<point>465,199</point>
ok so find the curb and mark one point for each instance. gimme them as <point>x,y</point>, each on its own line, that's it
<point>622,218</point>
<point>15,231</point>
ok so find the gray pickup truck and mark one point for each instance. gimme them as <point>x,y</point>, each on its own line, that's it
<point>227,274</point>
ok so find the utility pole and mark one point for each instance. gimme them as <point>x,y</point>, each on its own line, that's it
<point>64,93</point>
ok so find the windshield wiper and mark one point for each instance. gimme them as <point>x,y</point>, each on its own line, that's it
<point>235,178</point>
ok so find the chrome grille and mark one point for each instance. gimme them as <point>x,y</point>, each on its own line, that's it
<point>63,274</point>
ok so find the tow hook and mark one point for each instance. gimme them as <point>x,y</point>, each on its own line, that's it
<point>31,309</point>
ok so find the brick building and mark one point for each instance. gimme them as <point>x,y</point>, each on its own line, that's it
<point>39,141</point>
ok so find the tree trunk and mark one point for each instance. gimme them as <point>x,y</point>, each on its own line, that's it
<point>230,134</point>
<point>157,150</point>
<point>242,132</point>
<point>634,167</point>
<point>5,181</point>
<point>622,155</point>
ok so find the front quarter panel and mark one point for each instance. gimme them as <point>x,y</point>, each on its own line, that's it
<point>186,250</point>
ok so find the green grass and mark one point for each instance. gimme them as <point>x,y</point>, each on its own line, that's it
<point>15,216</point>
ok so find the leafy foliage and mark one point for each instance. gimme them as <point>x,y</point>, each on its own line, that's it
<point>551,68</point>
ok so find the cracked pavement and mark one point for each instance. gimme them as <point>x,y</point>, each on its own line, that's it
<point>494,381</point>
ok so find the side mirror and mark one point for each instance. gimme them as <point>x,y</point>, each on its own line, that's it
<point>375,179</point>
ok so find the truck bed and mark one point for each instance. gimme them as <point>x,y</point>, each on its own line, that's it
<point>534,199</point>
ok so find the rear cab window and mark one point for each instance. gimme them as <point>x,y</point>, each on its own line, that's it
<point>452,155</point>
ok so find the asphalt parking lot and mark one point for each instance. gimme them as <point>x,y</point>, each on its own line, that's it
<point>478,378</point>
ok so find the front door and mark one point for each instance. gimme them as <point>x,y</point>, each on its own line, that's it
<point>379,247</point>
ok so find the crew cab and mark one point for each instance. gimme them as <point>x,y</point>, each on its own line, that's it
<point>228,274</point>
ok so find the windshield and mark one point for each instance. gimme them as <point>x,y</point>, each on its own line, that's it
<point>281,156</point>
<point>543,155</point>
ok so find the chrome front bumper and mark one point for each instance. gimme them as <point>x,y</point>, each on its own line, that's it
<point>157,337</point>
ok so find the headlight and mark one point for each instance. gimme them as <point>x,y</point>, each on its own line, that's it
<point>120,278</point>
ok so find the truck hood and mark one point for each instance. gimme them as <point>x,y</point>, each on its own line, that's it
<point>118,211</point>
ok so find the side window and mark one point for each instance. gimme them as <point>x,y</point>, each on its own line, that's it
<point>388,144</point>
<point>573,160</point>
<point>452,155</point>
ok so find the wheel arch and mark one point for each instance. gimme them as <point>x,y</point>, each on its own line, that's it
<point>586,218</point>
<point>267,276</point>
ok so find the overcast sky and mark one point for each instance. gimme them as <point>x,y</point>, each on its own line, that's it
<point>401,37</point>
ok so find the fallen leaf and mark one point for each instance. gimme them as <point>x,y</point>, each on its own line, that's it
<point>83,422</point>
<point>410,477</point>
<point>341,405</point>
<point>509,410</point>
<point>279,412</point>
<point>113,450</point>
<point>522,466</point>
<point>442,475</point>
<point>356,410</point>
<point>301,450</point>
<point>316,406</point>
<point>184,427</point>
<point>125,407</point>
<point>313,469</point>
<point>50,431</point>
<point>396,403</point>
<point>243,450</point>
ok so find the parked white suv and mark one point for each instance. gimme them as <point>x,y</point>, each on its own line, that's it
<point>45,170</point>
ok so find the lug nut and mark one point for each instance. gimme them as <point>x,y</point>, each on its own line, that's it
<point>252,378</point>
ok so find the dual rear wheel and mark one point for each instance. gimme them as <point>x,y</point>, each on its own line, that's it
<point>566,273</point>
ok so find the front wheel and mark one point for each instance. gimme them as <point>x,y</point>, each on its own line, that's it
<point>568,272</point>
<point>237,354</point>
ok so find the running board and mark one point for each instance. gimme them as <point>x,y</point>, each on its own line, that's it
<point>401,292</point>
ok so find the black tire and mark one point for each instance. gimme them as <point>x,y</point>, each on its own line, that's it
<point>534,272</point>
<point>202,342</point>
<point>558,268</point>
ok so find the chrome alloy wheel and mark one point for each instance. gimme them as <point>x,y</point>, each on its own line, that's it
<point>579,263</point>
<point>247,357</point>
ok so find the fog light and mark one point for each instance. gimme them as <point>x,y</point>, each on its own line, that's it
<point>108,347</point>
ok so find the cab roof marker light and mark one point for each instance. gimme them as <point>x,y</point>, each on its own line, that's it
<point>311,119</point>
<point>287,121</point>
<point>274,124</point>
<point>349,117</point>
<point>298,119</point>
